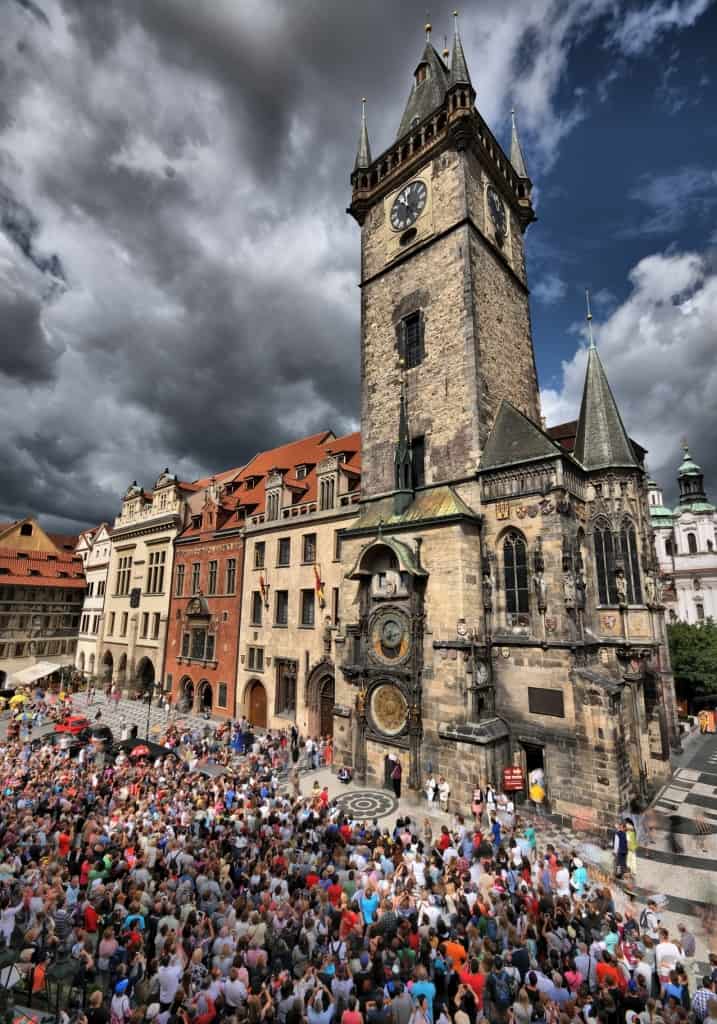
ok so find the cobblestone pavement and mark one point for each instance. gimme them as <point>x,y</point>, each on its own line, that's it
<point>134,712</point>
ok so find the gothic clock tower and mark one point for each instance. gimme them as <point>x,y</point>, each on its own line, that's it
<point>444,296</point>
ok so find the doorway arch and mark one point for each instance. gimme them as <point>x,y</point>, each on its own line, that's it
<point>256,703</point>
<point>107,666</point>
<point>122,668</point>
<point>320,699</point>
<point>145,673</point>
<point>185,696</point>
<point>206,696</point>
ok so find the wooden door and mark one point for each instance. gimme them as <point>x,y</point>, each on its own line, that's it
<point>257,706</point>
<point>326,700</point>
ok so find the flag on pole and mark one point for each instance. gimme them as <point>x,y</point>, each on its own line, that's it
<point>319,586</point>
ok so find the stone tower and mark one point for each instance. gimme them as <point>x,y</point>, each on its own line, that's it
<point>442,213</point>
<point>501,619</point>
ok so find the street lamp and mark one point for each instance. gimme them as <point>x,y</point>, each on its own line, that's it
<point>150,694</point>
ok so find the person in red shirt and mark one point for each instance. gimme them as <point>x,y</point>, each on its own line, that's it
<point>312,879</point>
<point>64,842</point>
<point>606,971</point>
<point>349,920</point>
<point>335,891</point>
<point>472,977</point>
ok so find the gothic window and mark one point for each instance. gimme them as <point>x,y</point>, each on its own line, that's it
<point>412,340</point>
<point>326,493</point>
<point>418,462</point>
<point>604,564</point>
<point>515,568</point>
<point>628,542</point>
<point>692,543</point>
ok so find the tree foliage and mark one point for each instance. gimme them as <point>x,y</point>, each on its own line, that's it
<point>693,649</point>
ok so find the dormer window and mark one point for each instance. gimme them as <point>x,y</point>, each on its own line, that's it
<point>421,76</point>
<point>301,472</point>
<point>196,522</point>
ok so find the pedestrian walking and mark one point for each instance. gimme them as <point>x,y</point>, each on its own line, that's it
<point>619,849</point>
<point>396,774</point>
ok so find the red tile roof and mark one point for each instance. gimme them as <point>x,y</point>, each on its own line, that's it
<point>564,434</point>
<point>64,541</point>
<point>40,569</point>
<point>308,452</point>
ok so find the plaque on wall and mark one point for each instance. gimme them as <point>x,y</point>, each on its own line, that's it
<point>546,702</point>
<point>389,709</point>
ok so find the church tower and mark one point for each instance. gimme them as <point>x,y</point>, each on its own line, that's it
<point>443,213</point>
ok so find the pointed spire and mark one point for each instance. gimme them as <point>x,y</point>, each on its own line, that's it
<point>516,153</point>
<point>589,318</point>
<point>363,155</point>
<point>459,68</point>
<point>402,455</point>
<point>601,440</point>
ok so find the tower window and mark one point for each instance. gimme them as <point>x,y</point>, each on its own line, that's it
<point>412,328</point>
<point>26,530</point>
<point>692,543</point>
<point>421,74</point>
<point>418,462</point>
<point>628,543</point>
<point>515,567</point>
<point>604,562</point>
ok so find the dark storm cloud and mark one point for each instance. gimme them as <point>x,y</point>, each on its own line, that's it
<point>189,165</point>
<point>21,226</point>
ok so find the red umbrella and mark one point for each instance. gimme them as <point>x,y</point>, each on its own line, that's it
<point>140,751</point>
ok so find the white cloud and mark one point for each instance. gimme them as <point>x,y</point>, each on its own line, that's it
<point>658,348</point>
<point>672,198</point>
<point>550,289</point>
<point>643,26</point>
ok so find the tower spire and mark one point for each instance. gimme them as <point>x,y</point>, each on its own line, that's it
<point>589,318</point>
<point>363,154</point>
<point>601,441</point>
<point>516,153</point>
<point>459,68</point>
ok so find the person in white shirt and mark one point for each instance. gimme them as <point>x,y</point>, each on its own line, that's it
<point>444,791</point>
<point>562,880</point>
<point>666,956</point>
<point>234,990</point>
<point>169,975</point>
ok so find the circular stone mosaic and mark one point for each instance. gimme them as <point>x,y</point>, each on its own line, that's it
<point>367,803</point>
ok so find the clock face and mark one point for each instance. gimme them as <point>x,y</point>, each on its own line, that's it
<point>390,637</point>
<point>408,205</point>
<point>497,212</point>
<point>389,709</point>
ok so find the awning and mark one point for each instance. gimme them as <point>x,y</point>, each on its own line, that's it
<point>38,671</point>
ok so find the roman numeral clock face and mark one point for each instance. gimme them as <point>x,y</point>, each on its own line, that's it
<point>408,205</point>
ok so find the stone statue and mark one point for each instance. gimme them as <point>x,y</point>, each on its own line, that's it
<point>650,589</point>
<point>326,634</point>
<point>569,590</point>
<point>541,591</point>
<point>487,589</point>
<point>621,587</point>
<point>580,592</point>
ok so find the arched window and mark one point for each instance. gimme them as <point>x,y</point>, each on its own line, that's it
<point>692,543</point>
<point>604,564</point>
<point>515,567</point>
<point>628,542</point>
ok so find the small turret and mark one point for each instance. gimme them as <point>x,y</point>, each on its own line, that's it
<point>459,67</point>
<point>516,153</point>
<point>363,154</point>
<point>692,482</point>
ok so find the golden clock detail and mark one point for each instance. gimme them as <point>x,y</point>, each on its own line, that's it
<point>390,637</point>
<point>389,709</point>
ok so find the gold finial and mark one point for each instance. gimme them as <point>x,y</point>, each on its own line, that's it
<point>428,31</point>
<point>446,51</point>
<point>589,319</point>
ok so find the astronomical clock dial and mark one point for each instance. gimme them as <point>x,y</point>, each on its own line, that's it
<point>389,709</point>
<point>496,208</point>
<point>390,637</point>
<point>408,205</point>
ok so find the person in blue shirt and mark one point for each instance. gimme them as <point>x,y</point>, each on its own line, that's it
<point>369,905</point>
<point>495,832</point>
<point>423,987</point>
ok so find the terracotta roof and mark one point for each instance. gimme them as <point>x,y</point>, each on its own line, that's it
<point>564,434</point>
<point>64,541</point>
<point>40,569</point>
<point>307,451</point>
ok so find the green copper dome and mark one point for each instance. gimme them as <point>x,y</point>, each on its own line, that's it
<point>688,467</point>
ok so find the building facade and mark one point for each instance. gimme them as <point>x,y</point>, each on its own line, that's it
<point>500,606</point>
<point>93,548</point>
<point>42,585</point>
<point>134,629</point>
<point>297,500</point>
<point>685,539</point>
<point>203,631</point>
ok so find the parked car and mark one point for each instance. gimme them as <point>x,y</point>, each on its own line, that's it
<point>75,725</point>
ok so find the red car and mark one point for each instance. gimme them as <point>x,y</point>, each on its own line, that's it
<point>74,724</point>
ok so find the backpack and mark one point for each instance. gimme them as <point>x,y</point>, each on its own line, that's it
<point>503,992</point>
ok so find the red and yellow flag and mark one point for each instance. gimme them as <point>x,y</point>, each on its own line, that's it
<point>319,584</point>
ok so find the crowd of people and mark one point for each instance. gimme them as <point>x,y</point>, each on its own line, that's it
<point>190,898</point>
